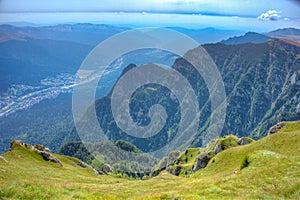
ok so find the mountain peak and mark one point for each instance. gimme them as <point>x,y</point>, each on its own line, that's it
<point>286,31</point>
<point>249,37</point>
<point>291,34</point>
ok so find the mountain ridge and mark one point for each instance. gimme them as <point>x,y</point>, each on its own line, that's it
<point>249,37</point>
<point>291,34</point>
<point>241,56</point>
<point>251,109</point>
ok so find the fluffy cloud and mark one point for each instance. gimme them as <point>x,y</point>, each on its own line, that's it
<point>272,15</point>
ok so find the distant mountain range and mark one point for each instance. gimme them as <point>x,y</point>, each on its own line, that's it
<point>286,33</point>
<point>89,34</point>
<point>93,34</point>
<point>262,83</point>
<point>260,75</point>
<point>252,37</point>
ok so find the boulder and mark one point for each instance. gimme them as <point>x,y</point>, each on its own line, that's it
<point>27,146</point>
<point>173,155</point>
<point>244,140</point>
<point>175,170</point>
<point>218,148</point>
<point>107,169</point>
<point>43,151</point>
<point>226,142</point>
<point>201,161</point>
<point>100,173</point>
<point>83,164</point>
<point>274,129</point>
<point>163,163</point>
<point>166,161</point>
<point>14,144</point>
<point>39,147</point>
<point>155,172</point>
<point>49,157</point>
<point>3,159</point>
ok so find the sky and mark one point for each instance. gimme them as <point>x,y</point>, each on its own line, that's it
<point>226,14</point>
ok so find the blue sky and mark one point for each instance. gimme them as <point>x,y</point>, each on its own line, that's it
<point>253,15</point>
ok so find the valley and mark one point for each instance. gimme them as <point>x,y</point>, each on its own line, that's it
<point>22,93</point>
<point>149,99</point>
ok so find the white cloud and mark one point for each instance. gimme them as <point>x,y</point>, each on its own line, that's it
<point>270,15</point>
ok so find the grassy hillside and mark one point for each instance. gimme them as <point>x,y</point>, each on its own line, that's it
<point>265,169</point>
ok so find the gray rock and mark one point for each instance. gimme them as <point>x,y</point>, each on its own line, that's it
<point>274,129</point>
<point>3,159</point>
<point>15,143</point>
<point>218,148</point>
<point>163,163</point>
<point>27,146</point>
<point>279,125</point>
<point>107,169</point>
<point>174,170</point>
<point>167,161</point>
<point>201,161</point>
<point>39,147</point>
<point>100,173</point>
<point>243,141</point>
<point>155,173</point>
<point>49,157</point>
<point>172,157</point>
<point>83,164</point>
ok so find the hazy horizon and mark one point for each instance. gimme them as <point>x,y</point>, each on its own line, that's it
<point>143,19</point>
<point>255,15</point>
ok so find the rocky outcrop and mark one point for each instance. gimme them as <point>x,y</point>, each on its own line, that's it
<point>16,143</point>
<point>244,140</point>
<point>43,151</point>
<point>106,169</point>
<point>83,164</point>
<point>201,161</point>
<point>218,148</point>
<point>274,129</point>
<point>181,165</point>
<point>173,155</point>
<point>165,162</point>
<point>99,172</point>
<point>225,142</point>
<point>49,157</point>
<point>175,170</point>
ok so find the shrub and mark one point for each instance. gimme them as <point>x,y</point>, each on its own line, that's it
<point>245,162</point>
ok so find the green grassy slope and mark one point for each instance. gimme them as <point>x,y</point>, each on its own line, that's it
<point>265,169</point>
<point>185,163</point>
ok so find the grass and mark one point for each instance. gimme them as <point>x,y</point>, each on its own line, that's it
<point>272,172</point>
<point>190,155</point>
